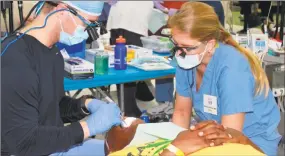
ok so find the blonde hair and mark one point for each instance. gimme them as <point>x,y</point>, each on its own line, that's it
<point>202,23</point>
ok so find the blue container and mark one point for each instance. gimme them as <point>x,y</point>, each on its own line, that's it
<point>145,117</point>
<point>120,54</point>
<point>77,50</point>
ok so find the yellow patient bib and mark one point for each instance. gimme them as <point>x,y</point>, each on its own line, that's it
<point>229,149</point>
<point>155,148</point>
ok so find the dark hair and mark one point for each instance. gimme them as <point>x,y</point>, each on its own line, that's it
<point>49,6</point>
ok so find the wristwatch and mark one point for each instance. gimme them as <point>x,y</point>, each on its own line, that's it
<point>175,150</point>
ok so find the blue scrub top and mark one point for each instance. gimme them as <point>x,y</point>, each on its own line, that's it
<point>228,77</point>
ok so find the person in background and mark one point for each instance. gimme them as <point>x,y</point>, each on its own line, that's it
<point>130,20</point>
<point>227,5</point>
<point>171,7</point>
<point>246,11</point>
<point>268,8</point>
<point>218,8</point>
<point>34,105</point>
<point>103,18</point>
<point>220,79</point>
<point>165,87</point>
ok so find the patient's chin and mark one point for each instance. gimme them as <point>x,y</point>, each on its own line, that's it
<point>119,137</point>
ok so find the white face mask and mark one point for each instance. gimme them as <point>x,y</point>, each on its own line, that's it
<point>190,61</point>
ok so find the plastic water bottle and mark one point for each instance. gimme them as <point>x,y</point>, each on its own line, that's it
<point>120,54</point>
<point>145,117</point>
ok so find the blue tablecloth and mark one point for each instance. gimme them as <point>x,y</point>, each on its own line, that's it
<point>132,74</point>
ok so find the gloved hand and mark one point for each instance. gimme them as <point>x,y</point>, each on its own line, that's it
<point>103,118</point>
<point>171,12</point>
<point>94,105</point>
<point>158,5</point>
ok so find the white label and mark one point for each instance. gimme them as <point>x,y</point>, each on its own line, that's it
<point>210,104</point>
<point>64,54</point>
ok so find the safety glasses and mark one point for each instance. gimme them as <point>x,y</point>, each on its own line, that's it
<point>184,50</point>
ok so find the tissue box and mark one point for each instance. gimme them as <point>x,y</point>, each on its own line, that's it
<point>91,53</point>
<point>77,68</point>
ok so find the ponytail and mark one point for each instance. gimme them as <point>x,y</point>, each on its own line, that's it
<point>261,81</point>
<point>204,26</point>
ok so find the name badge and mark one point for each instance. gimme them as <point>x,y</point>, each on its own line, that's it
<point>210,104</point>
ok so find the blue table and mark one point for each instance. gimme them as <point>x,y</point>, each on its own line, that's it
<point>132,74</point>
<point>116,77</point>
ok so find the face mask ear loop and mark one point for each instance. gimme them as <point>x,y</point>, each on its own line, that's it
<point>203,54</point>
<point>60,22</point>
<point>72,19</point>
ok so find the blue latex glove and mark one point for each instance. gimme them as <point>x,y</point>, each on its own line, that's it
<point>103,117</point>
<point>171,12</point>
<point>157,4</point>
<point>94,105</point>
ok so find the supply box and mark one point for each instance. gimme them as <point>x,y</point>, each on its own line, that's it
<point>158,44</point>
<point>91,53</point>
<point>77,68</point>
<point>242,40</point>
<point>140,52</point>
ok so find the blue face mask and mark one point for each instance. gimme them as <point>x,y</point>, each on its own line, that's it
<point>78,36</point>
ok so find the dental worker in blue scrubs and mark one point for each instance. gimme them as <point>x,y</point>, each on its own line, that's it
<point>221,80</point>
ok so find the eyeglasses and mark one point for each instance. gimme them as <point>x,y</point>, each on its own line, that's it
<point>184,50</point>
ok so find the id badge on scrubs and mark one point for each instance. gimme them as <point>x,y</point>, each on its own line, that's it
<point>210,104</point>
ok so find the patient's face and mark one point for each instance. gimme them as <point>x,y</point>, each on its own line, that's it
<point>118,138</point>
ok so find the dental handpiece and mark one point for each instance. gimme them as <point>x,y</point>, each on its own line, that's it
<point>108,99</point>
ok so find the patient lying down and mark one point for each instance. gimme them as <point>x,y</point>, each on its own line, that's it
<point>206,138</point>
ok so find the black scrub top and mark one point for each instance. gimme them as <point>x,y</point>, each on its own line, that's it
<point>34,106</point>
